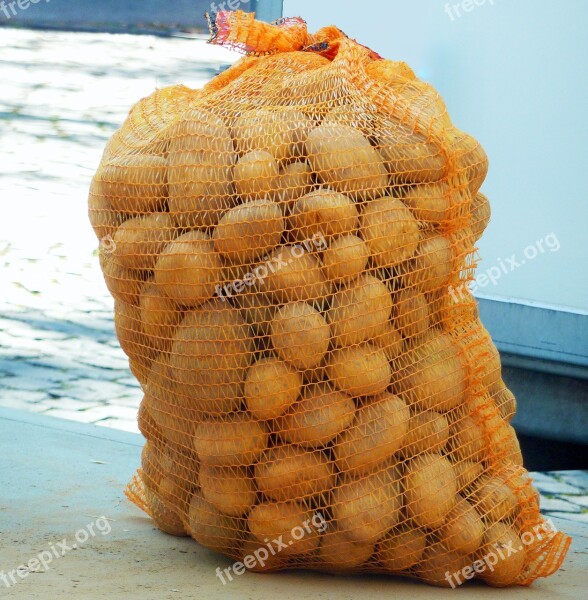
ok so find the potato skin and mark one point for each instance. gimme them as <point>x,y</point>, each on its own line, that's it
<point>345,161</point>
<point>256,175</point>
<point>428,431</point>
<point>390,231</point>
<point>430,489</point>
<point>401,548</point>
<point>300,335</point>
<point>377,432</point>
<point>509,565</point>
<point>248,231</point>
<point>295,181</point>
<point>463,530</point>
<point>411,313</point>
<point>229,489</point>
<point>271,388</point>
<point>481,214</point>
<point>337,553</point>
<point>345,258</point>
<point>320,415</point>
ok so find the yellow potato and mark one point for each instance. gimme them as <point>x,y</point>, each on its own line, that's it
<point>320,415</point>
<point>430,489</point>
<point>256,175</point>
<point>345,258</point>
<point>210,355</point>
<point>325,213</point>
<point>345,161</point>
<point>389,340</point>
<point>337,553</point>
<point>500,539</point>
<point>433,375</point>
<point>280,132</point>
<point>377,432</point>
<point>160,316</point>
<point>211,528</point>
<point>164,518</point>
<point>467,473</point>
<point>271,388</point>
<point>229,489</point>
<point>246,232</point>
<point>390,231</point>
<point>432,266</point>
<point>505,402</point>
<point>494,499</point>
<point>257,557</point>
<point>411,313</point>
<point>124,284</point>
<point>257,309</point>
<point>408,155</point>
<point>467,438</point>
<point>438,566</point>
<point>360,370</point>
<point>188,269</point>
<point>129,332</point>
<point>469,158</point>
<point>201,159</point>
<point>134,184</point>
<point>481,214</point>
<point>103,219</point>
<point>291,274</point>
<point>463,530</point>
<point>292,473</point>
<point>290,520</point>
<point>428,431</point>
<point>359,311</point>
<point>300,335</point>
<point>401,548</point>
<point>434,203</point>
<point>364,509</point>
<point>236,441</point>
<point>295,181</point>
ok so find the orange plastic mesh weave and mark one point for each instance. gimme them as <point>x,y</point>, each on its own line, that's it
<point>289,250</point>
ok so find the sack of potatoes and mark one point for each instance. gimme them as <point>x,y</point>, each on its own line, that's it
<point>289,250</point>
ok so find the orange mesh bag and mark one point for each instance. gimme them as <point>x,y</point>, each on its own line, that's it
<point>289,250</point>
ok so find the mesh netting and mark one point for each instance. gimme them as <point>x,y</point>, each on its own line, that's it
<point>289,250</point>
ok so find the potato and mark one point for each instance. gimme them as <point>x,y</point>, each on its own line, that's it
<point>401,548</point>
<point>337,553</point>
<point>211,352</point>
<point>433,203</point>
<point>164,518</point>
<point>345,161</point>
<point>488,364</point>
<point>500,539</point>
<point>430,488</point>
<point>364,509</point>
<point>390,231</point>
<point>505,402</point>
<point>175,492</point>
<point>271,388</point>
<point>467,472</point>
<point>295,181</point>
<point>359,310</point>
<point>236,441</point>
<point>469,158</point>
<point>229,489</point>
<point>494,498</point>
<point>389,340</point>
<point>133,184</point>
<point>360,370</point>
<point>257,309</point>
<point>377,432</point>
<point>320,415</point>
<point>439,565</point>
<point>433,375</point>
<point>463,529</point>
<point>411,313</point>
<point>129,331</point>
<point>124,284</point>
<point>209,527</point>
<point>160,316</point>
<point>188,269</point>
<point>246,232</point>
<point>290,520</point>
<point>300,335</point>
<point>292,473</point>
<point>256,175</point>
<point>103,219</point>
<point>408,155</point>
<point>201,159</point>
<point>467,438</point>
<point>428,431</point>
<point>432,266</point>
<point>345,258</point>
<point>481,214</point>
<point>258,558</point>
<point>282,132</point>
<point>291,274</point>
<point>325,213</point>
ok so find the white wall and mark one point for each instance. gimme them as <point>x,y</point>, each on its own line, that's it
<point>513,74</point>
